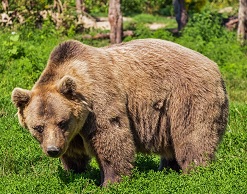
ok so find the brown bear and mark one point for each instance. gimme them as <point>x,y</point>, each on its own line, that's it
<point>148,96</point>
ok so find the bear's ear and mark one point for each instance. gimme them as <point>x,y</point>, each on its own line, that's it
<point>20,97</point>
<point>67,86</point>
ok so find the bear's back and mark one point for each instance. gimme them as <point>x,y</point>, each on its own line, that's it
<point>160,56</point>
<point>152,62</point>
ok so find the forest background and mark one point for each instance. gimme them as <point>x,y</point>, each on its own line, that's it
<point>31,29</point>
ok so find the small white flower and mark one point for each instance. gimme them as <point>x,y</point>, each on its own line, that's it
<point>13,33</point>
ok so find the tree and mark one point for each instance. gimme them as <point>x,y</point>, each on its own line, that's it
<point>57,4</point>
<point>242,19</point>
<point>84,18</point>
<point>79,7</point>
<point>5,5</point>
<point>181,13</point>
<point>116,21</point>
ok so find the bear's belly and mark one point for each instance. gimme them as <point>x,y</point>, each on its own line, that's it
<point>151,130</point>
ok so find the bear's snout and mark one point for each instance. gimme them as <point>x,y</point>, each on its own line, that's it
<point>53,151</point>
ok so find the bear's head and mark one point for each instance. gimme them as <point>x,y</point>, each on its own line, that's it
<point>53,114</point>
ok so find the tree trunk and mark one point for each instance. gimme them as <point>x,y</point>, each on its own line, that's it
<point>180,13</point>
<point>79,7</point>
<point>84,18</point>
<point>242,18</point>
<point>116,21</point>
<point>57,4</point>
<point>5,5</point>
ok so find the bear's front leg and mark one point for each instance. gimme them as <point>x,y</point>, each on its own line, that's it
<point>77,164</point>
<point>75,159</point>
<point>115,151</point>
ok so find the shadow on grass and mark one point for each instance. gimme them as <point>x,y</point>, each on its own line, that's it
<point>91,174</point>
<point>143,163</point>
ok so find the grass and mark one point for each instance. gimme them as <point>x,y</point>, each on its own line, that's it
<point>147,18</point>
<point>25,169</point>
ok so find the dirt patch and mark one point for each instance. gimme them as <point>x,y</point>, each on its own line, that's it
<point>156,26</point>
<point>104,24</point>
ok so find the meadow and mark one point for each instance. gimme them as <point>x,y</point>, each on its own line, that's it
<point>25,169</point>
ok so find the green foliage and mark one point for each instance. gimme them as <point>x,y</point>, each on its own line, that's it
<point>140,25</point>
<point>97,6</point>
<point>223,3</point>
<point>143,6</point>
<point>206,25</point>
<point>22,54</point>
<point>195,5</point>
<point>148,18</point>
<point>128,6</point>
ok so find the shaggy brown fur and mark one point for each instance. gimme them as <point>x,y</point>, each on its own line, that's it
<point>149,96</point>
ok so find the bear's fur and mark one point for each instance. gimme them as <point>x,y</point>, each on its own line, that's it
<point>149,96</point>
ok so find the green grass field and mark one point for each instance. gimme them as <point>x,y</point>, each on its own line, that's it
<point>25,169</point>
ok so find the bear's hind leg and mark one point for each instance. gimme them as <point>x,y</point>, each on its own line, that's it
<point>190,155</point>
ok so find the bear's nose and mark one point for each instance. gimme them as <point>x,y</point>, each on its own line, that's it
<point>53,151</point>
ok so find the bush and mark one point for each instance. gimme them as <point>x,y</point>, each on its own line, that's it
<point>143,6</point>
<point>23,56</point>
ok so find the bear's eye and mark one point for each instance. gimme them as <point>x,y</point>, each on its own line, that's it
<point>39,128</point>
<point>63,124</point>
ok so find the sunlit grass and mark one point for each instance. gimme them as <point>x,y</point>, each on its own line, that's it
<point>25,169</point>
